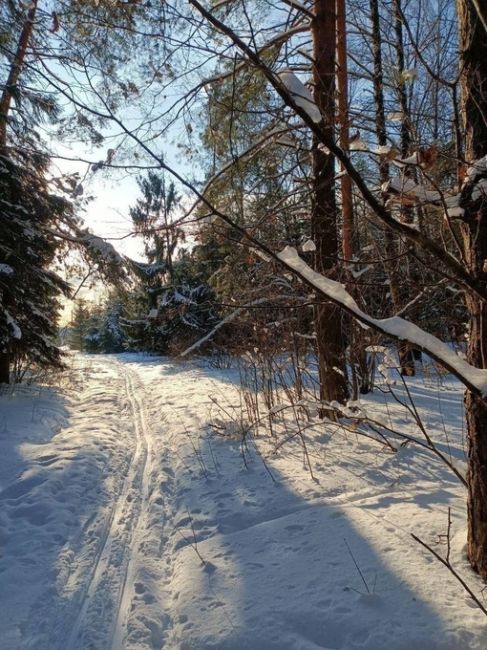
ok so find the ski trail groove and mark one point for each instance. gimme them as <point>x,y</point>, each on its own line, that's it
<point>104,606</point>
<point>126,592</point>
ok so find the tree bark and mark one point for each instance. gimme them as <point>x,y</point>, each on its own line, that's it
<point>381,133</point>
<point>4,368</point>
<point>405,351</point>
<point>359,369</point>
<point>343,118</point>
<point>328,320</point>
<point>473,47</point>
<point>15,70</point>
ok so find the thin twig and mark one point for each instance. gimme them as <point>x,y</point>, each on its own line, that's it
<point>356,565</point>
<point>452,571</point>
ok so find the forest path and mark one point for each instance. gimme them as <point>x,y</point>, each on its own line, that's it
<point>76,510</point>
<point>133,517</point>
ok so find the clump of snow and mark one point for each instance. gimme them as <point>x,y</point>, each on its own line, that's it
<point>301,95</point>
<point>6,269</point>
<point>395,116</point>
<point>413,159</point>
<point>409,187</point>
<point>453,208</point>
<point>358,145</point>
<point>14,327</point>
<point>322,147</point>
<point>409,75</point>
<point>476,169</point>
<point>101,248</point>
<point>383,150</point>
<point>480,190</point>
<point>309,246</point>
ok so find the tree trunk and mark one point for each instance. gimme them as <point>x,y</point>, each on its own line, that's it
<point>358,357</point>
<point>4,368</point>
<point>328,320</point>
<point>342,86</point>
<point>405,350</point>
<point>15,70</point>
<point>473,47</point>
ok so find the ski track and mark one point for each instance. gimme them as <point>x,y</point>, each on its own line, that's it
<point>104,606</point>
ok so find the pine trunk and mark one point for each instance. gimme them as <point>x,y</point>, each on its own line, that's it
<point>15,70</point>
<point>328,320</point>
<point>343,119</point>
<point>473,46</point>
<point>359,370</point>
<point>4,368</point>
<point>405,350</point>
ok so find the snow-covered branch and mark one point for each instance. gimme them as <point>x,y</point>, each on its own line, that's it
<point>397,328</point>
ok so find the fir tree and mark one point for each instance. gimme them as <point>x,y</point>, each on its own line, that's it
<point>79,325</point>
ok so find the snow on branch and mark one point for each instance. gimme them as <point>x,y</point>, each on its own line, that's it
<point>12,323</point>
<point>398,328</point>
<point>301,95</point>
<point>101,248</point>
<point>409,189</point>
<point>406,190</point>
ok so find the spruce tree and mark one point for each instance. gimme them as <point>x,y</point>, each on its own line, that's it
<point>29,287</point>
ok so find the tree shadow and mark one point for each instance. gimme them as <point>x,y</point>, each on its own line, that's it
<point>292,563</point>
<point>55,495</point>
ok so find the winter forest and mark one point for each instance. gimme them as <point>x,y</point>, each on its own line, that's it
<point>257,419</point>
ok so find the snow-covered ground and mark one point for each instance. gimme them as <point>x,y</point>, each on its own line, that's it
<point>128,521</point>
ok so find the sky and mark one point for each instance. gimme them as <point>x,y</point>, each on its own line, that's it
<point>107,214</point>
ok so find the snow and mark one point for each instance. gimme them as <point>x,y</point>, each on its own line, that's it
<point>396,327</point>
<point>383,150</point>
<point>453,208</point>
<point>6,269</point>
<point>301,95</point>
<point>135,513</point>
<point>358,145</point>
<point>480,190</point>
<point>101,248</point>
<point>396,116</point>
<point>409,187</point>
<point>413,159</point>
<point>476,169</point>
<point>14,327</point>
<point>309,246</point>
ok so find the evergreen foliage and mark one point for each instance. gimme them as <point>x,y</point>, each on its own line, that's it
<point>29,287</point>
